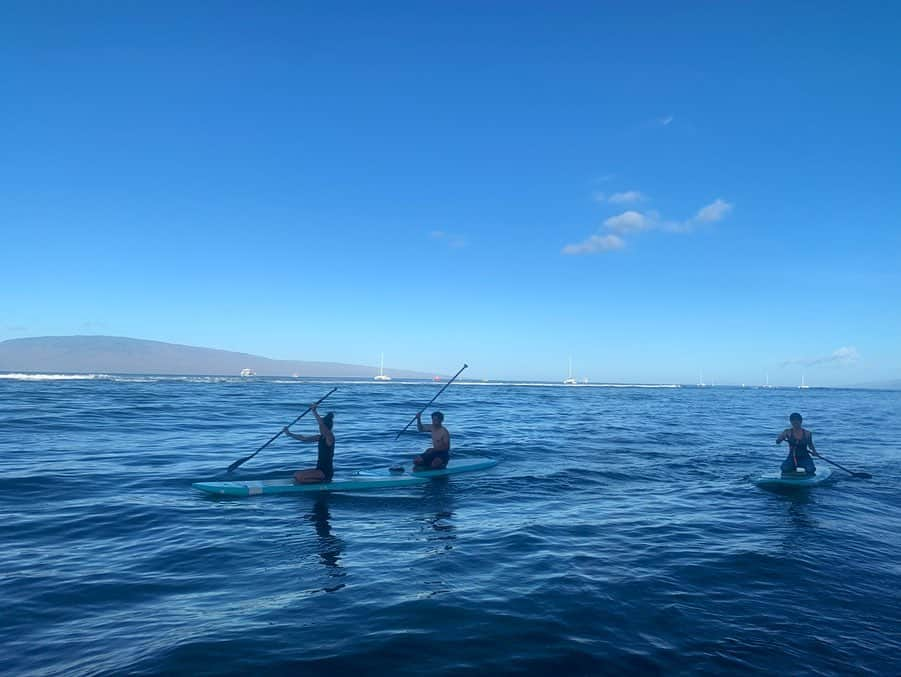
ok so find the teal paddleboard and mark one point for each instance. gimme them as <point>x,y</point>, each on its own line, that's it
<point>799,480</point>
<point>363,480</point>
<point>456,466</point>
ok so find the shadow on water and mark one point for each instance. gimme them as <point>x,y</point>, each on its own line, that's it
<point>439,497</point>
<point>328,545</point>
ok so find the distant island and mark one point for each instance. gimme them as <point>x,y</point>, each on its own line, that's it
<point>881,385</point>
<point>118,355</point>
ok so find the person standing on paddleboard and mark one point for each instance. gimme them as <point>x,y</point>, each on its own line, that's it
<point>438,455</point>
<point>325,462</point>
<point>800,447</point>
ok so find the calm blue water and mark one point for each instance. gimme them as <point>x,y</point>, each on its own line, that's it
<point>618,534</point>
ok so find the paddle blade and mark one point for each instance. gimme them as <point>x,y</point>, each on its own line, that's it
<point>863,475</point>
<point>234,465</point>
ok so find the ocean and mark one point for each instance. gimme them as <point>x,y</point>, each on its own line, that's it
<point>619,534</point>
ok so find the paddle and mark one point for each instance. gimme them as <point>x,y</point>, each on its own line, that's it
<point>430,401</point>
<point>861,475</point>
<point>272,439</point>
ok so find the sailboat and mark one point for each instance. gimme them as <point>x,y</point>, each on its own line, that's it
<point>803,384</point>
<point>701,383</point>
<point>767,385</point>
<point>570,381</point>
<point>381,375</point>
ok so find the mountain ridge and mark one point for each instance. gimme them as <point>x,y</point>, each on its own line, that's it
<point>124,355</point>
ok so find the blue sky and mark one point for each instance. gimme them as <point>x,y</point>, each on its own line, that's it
<point>655,189</point>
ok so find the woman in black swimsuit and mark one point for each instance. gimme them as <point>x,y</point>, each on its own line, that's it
<point>325,462</point>
<point>800,447</point>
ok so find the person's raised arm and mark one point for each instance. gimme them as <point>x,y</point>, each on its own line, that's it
<point>422,428</point>
<point>323,428</point>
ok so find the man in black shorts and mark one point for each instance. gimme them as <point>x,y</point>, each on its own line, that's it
<point>436,457</point>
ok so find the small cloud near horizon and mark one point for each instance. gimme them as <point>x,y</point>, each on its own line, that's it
<point>844,356</point>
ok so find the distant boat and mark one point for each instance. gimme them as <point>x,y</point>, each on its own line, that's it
<point>248,372</point>
<point>803,384</point>
<point>767,385</point>
<point>570,381</point>
<point>381,375</point>
<point>436,378</point>
<point>701,383</point>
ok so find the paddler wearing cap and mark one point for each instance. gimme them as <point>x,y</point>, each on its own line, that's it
<point>800,447</point>
<point>325,461</point>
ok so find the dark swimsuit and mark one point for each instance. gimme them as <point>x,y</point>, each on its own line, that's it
<point>799,453</point>
<point>430,455</point>
<point>326,457</point>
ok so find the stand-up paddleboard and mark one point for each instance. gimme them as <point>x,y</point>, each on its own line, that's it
<point>456,466</point>
<point>363,480</point>
<point>778,480</point>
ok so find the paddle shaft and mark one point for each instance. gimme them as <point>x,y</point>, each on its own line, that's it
<point>272,439</point>
<point>430,401</point>
<point>864,475</point>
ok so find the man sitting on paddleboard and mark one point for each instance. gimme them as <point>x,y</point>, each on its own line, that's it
<point>800,447</point>
<point>324,464</point>
<point>436,457</point>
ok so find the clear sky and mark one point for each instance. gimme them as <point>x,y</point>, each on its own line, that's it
<point>656,189</point>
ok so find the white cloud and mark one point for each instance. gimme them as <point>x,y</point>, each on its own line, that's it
<point>631,221</point>
<point>665,121</point>
<point>626,197</point>
<point>844,356</point>
<point>595,244</point>
<point>713,212</point>
<point>598,196</point>
<point>453,241</point>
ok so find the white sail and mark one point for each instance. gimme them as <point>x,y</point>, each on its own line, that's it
<point>381,375</point>
<point>570,380</point>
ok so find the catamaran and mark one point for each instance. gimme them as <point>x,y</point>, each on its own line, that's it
<point>381,375</point>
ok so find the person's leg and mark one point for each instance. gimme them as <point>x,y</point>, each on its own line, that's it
<point>424,461</point>
<point>788,465</point>
<point>309,476</point>
<point>440,460</point>
<point>807,464</point>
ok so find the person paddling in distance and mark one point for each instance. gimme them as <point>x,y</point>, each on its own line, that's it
<point>437,456</point>
<point>325,462</point>
<point>800,447</point>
